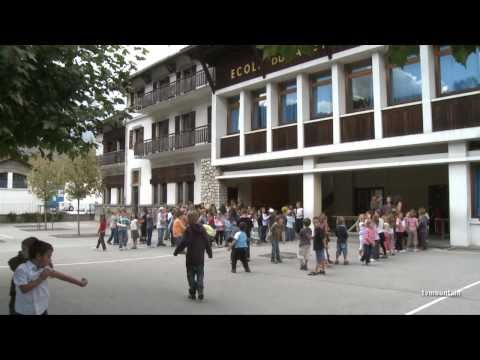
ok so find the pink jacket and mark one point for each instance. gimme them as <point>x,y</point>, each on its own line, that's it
<point>369,238</point>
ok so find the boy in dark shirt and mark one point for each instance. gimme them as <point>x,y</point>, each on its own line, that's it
<point>15,262</point>
<point>245,218</point>
<point>195,239</point>
<point>342,236</point>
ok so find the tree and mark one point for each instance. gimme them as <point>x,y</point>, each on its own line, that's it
<point>52,95</point>
<point>82,178</point>
<point>45,179</point>
<point>396,54</point>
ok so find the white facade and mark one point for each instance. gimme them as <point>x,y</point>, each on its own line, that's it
<point>314,161</point>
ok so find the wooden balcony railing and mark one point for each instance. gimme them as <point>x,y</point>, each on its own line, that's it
<point>284,138</point>
<point>200,135</point>
<point>114,157</point>
<point>456,113</point>
<point>230,146</point>
<point>256,143</point>
<point>405,120</point>
<point>318,133</point>
<point>174,89</point>
<point>357,127</point>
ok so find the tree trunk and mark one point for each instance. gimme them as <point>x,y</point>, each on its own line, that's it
<point>45,212</point>
<point>78,216</point>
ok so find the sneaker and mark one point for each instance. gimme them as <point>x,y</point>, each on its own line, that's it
<point>373,260</point>
<point>415,250</point>
<point>322,272</point>
<point>234,271</point>
<point>200,296</point>
<point>248,270</point>
<point>192,296</point>
<point>336,262</point>
<point>346,262</point>
<point>312,273</point>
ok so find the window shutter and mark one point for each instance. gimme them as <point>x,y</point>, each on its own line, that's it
<point>177,124</point>
<point>154,127</point>
<point>192,120</point>
<point>140,135</point>
<point>130,144</point>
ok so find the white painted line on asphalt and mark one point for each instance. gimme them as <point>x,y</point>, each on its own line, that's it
<point>414,311</point>
<point>114,260</point>
<point>6,236</point>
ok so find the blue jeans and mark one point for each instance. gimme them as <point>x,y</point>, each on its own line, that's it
<point>123,237</point>
<point>290,234</point>
<point>149,235</point>
<point>195,278</point>
<point>275,250</point>
<point>367,253</point>
<point>161,234</point>
<point>114,235</point>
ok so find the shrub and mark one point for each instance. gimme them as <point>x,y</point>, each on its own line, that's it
<point>11,217</point>
<point>30,217</point>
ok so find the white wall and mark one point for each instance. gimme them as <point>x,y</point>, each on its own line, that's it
<point>171,193</point>
<point>18,201</point>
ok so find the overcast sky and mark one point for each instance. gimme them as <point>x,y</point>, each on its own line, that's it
<point>157,52</point>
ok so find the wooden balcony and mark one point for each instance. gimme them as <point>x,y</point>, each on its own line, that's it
<point>256,142</point>
<point>357,127</point>
<point>174,89</point>
<point>114,157</point>
<point>318,133</point>
<point>200,135</point>
<point>284,138</point>
<point>230,146</point>
<point>405,120</point>
<point>456,113</point>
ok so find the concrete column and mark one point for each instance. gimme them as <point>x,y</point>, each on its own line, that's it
<point>172,193</point>
<point>312,190</point>
<point>244,116</point>
<point>379,92</point>
<point>114,196</point>
<point>184,192</point>
<point>145,189</point>
<point>9,180</point>
<point>303,106</point>
<point>338,99</point>
<point>219,123</point>
<point>459,196</point>
<point>272,112</point>
<point>427,66</point>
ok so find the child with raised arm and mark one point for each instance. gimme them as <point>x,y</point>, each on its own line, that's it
<point>30,280</point>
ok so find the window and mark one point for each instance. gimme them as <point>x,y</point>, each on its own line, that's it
<point>190,189</point>
<point>405,83</point>
<point>135,178</point>
<point>288,103</point>
<point>179,193</point>
<point>259,110</point>
<point>163,193</point>
<point>476,191</point>
<point>19,181</point>
<point>155,188</point>
<point>359,87</point>
<point>3,180</point>
<point>233,113</point>
<point>453,77</point>
<point>321,96</point>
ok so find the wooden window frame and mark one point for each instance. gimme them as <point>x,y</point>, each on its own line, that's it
<point>389,67</point>
<point>313,84</point>
<point>139,177</point>
<point>438,81</point>
<point>283,91</point>
<point>349,75</point>
<point>232,104</point>
<point>256,98</point>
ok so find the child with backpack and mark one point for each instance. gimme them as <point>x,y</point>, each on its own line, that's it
<point>319,246</point>
<point>304,244</point>
<point>342,235</point>
<point>239,247</point>
<point>368,241</point>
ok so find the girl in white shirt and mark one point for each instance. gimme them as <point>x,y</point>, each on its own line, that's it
<point>30,280</point>
<point>361,233</point>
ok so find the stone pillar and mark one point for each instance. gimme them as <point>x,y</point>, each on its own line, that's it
<point>114,196</point>
<point>338,99</point>
<point>9,180</point>
<point>272,112</point>
<point>172,194</point>
<point>184,192</point>
<point>379,92</point>
<point>459,196</point>
<point>303,106</point>
<point>244,116</point>
<point>312,190</point>
<point>427,65</point>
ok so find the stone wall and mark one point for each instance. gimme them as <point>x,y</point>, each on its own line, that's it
<point>212,191</point>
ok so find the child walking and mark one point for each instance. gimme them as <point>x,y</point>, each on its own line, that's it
<point>368,241</point>
<point>290,231</point>
<point>361,234</point>
<point>304,244</point>
<point>412,225</point>
<point>30,279</point>
<point>102,228</point>
<point>399,232</point>
<point>319,247</point>
<point>239,247</point>
<point>134,231</point>
<point>342,236</point>
<point>422,228</point>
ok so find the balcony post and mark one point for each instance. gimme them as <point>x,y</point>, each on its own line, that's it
<point>427,66</point>
<point>379,92</point>
<point>338,99</point>
<point>303,107</point>
<point>272,112</point>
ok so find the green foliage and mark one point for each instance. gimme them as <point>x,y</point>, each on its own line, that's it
<point>289,52</point>
<point>46,177</point>
<point>31,217</point>
<point>11,217</point>
<point>53,94</point>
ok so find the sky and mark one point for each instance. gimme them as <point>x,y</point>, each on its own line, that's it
<point>156,52</point>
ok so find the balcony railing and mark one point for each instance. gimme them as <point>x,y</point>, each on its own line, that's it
<point>114,157</point>
<point>318,133</point>
<point>357,127</point>
<point>230,146</point>
<point>284,138</point>
<point>405,120</point>
<point>456,113</point>
<point>174,89</point>
<point>200,135</point>
<point>256,142</point>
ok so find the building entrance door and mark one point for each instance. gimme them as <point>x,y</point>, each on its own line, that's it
<point>232,194</point>
<point>362,197</point>
<point>438,209</point>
